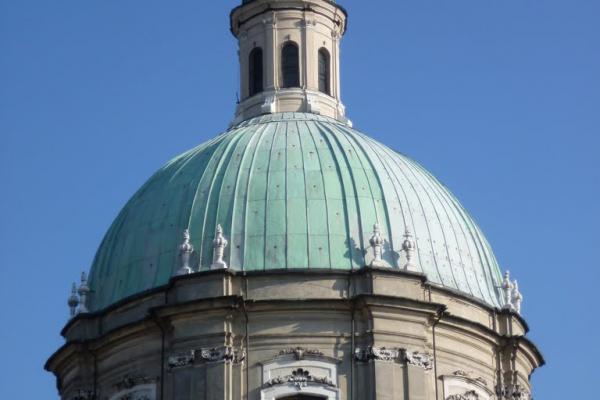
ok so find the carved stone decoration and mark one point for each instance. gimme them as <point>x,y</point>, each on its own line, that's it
<point>185,253</point>
<point>181,359</point>
<point>482,381</point>
<point>143,389</point>
<point>409,247</point>
<point>300,378</point>
<point>83,291</point>
<point>377,354</point>
<point>460,373</point>
<point>216,354</point>
<point>83,394</point>
<point>225,353</point>
<point>418,359</point>
<point>300,352</point>
<point>219,245</point>
<point>269,106</point>
<point>377,245</point>
<point>312,105</point>
<point>135,396</point>
<point>512,392</point>
<point>129,381</point>
<point>516,297</point>
<point>507,288</point>
<point>73,301</point>
<point>470,395</point>
<point>467,375</point>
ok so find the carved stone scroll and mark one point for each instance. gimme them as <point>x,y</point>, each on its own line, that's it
<point>300,378</point>
<point>470,395</point>
<point>418,359</point>
<point>215,354</point>
<point>300,352</point>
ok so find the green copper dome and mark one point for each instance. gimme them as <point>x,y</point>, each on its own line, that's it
<point>292,191</point>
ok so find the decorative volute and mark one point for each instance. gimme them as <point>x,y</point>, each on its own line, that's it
<point>289,57</point>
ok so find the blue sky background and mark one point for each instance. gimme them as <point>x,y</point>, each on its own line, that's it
<point>499,99</point>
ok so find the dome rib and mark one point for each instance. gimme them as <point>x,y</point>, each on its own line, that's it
<point>387,231</point>
<point>326,132</point>
<point>292,191</point>
<point>247,202</point>
<point>354,251</point>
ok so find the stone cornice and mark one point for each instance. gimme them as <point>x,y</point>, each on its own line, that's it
<point>159,303</point>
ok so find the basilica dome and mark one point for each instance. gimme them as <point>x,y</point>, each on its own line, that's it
<point>292,191</point>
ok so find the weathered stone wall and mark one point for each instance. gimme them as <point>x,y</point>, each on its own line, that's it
<point>373,334</point>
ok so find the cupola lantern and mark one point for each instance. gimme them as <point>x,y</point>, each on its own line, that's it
<point>289,57</point>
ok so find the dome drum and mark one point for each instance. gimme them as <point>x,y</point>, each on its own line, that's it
<point>341,334</point>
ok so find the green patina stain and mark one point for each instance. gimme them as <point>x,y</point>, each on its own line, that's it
<point>292,191</point>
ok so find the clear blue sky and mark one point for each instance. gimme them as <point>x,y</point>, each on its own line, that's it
<point>499,99</point>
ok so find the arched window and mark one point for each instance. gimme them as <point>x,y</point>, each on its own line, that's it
<point>255,78</point>
<point>301,397</point>
<point>324,71</point>
<point>290,65</point>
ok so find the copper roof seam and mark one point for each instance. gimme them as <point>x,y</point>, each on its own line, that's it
<point>305,196</point>
<point>416,195</point>
<point>253,137</point>
<point>210,215</point>
<point>260,133</point>
<point>208,167</point>
<point>325,200</point>
<point>325,130</point>
<point>267,191</point>
<point>376,153</point>
<point>357,203</point>
<point>393,177</point>
<point>476,240</point>
<point>437,215</point>
<point>367,225</point>
<point>243,141</point>
<point>479,241</point>
<point>445,194</point>
<point>443,202</point>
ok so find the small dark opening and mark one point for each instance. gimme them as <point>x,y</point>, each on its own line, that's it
<point>324,71</point>
<point>256,71</point>
<point>290,65</point>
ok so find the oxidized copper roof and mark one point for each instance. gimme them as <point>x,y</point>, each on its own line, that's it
<point>292,191</point>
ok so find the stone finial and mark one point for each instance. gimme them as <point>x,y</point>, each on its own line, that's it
<point>377,245</point>
<point>507,287</point>
<point>73,301</point>
<point>185,253</point>
<point>516,297</point>
<point>219,245</point>
<point>83,291</point>
<point>409,247</point>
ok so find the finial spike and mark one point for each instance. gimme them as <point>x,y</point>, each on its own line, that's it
<point>83,292</point>
<point>516,297</point>
<point>73,300</point>
<point>219,245</point>
<point>507,287</point>
<point>185,253</point>
<point>377,245</point>
<point>409,246</point>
